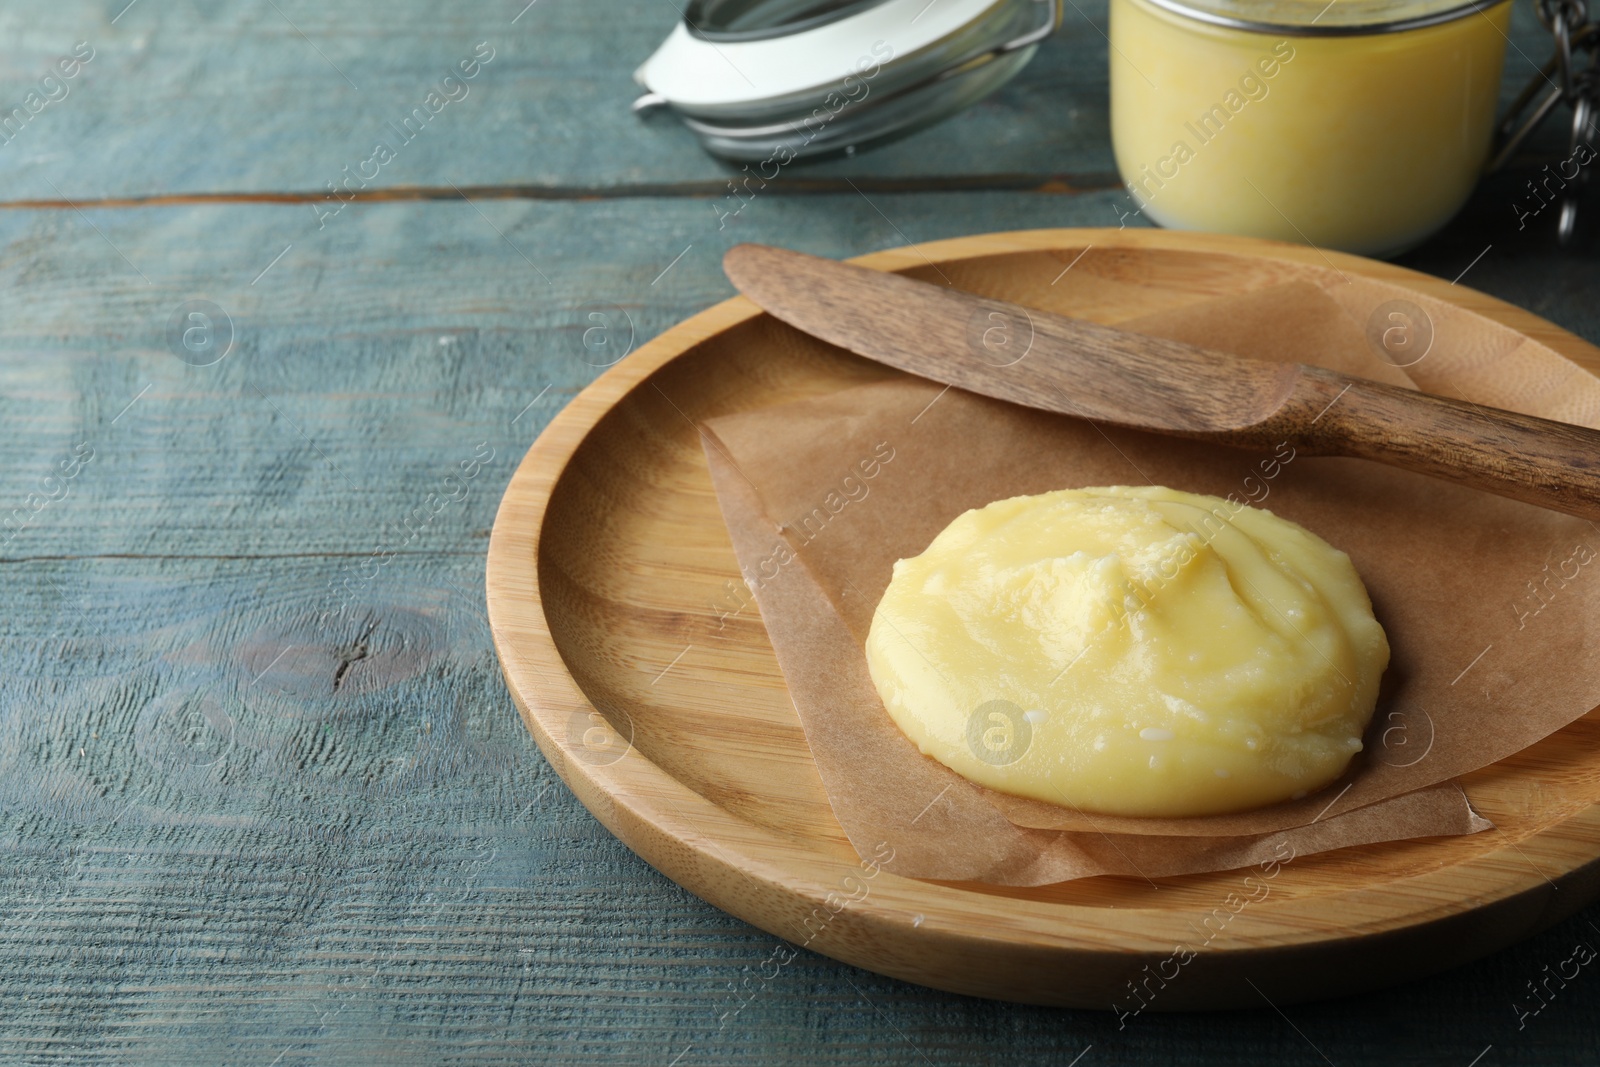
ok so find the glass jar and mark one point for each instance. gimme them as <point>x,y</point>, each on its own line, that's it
<point>1360,125</point>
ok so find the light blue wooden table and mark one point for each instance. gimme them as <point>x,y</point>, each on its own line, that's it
<point>237,832</point>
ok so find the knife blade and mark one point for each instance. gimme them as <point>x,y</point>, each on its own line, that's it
<point>1074,367</point>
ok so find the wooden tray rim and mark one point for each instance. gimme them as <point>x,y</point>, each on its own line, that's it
<point>663,820</point>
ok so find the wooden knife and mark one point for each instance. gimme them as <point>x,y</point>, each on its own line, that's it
<point>1074,367</point>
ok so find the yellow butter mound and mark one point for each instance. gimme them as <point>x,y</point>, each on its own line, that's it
<point>1131,651</point>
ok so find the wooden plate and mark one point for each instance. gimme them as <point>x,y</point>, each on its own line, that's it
<point>609,572</point>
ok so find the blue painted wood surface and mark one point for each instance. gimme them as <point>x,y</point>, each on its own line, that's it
<point>234,832</point>
<point>204,97</point>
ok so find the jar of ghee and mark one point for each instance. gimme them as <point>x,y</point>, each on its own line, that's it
<point>1360,125</point>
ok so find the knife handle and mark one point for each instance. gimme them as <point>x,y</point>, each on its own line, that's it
<point>1552,464</point>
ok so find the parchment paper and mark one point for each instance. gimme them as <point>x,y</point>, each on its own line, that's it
<point>1487,603</point>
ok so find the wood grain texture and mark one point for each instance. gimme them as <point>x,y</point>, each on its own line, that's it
<point>390,872</point>
<point>308,85</point>
<point>609,584</point>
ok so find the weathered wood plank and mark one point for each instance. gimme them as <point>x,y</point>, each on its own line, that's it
<point>363,372</point>
<point>275,98</point>
<point>363,376</point>
<point>375,355</point>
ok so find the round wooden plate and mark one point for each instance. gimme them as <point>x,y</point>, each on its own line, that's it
<point>609,578</point>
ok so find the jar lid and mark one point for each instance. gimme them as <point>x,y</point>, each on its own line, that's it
<point>1326,18</point>
<point>824,75</point>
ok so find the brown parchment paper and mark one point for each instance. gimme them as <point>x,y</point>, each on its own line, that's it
<point>1491,638</point>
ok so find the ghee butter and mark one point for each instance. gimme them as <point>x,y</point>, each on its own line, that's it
<point>1360,125</point>
<point>1131,651</point>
